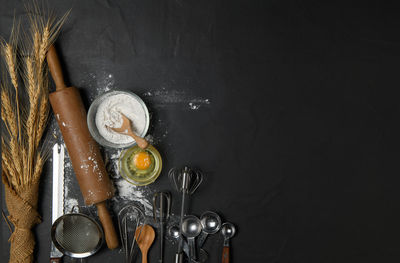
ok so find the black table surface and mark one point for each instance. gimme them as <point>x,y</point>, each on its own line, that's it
<point>290,108</point>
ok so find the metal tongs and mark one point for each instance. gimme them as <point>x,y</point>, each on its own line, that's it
<point>161,212</point>
<point>185,181</point>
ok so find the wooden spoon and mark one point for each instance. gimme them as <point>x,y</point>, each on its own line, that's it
<point>126,128</point>
<point>144,236</point>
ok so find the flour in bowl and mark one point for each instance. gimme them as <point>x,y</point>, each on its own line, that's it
<point>109,115</point>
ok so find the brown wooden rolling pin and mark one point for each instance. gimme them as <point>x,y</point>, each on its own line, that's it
<point>84,153</point>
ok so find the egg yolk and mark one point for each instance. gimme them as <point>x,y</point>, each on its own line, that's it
<point>142,160</point>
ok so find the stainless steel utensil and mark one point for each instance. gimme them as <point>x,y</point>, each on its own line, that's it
<point>186,181</point>
<point>77,235</point>
<point>161,211</point>
<point>211,223</point>
<point>130,217</point>
<point>174,232</point>
<point>228,230</point>
<point>191,228</point>
<point>58,194</point>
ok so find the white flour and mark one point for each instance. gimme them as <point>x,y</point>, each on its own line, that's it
<point>109,114</point>
<point>140,194</point>
<point>166,97</point>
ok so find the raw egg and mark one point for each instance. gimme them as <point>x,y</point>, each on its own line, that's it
<point>142,160</point>
<point>140,166</point>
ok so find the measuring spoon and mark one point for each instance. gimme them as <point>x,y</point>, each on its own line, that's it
<point>228,231</point>
<point>173,231</point>
<point>211,223</point>
<point>191,228</point>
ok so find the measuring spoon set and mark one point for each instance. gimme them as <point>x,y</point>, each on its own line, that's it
<point>192,231</point>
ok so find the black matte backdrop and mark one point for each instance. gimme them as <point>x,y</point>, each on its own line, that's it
<point>300,140</point>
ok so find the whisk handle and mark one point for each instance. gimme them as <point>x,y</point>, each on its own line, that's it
<point>161,242</point>
<point>110,234</point>
<point>178,258</point>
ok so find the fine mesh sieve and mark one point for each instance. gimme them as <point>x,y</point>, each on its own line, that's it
<point>77,235</point>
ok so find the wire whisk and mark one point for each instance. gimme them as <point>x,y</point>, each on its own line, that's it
<point>130,217</point>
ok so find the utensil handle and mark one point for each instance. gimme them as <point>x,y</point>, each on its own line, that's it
<point>141,142</point>
<point>178,258</point>
<point>225,255</point>
<point>201,239</point>
<point>144,256</point>
<point>110,234</point>
<point>55,68</point>
<point>161,242</point>
<point>192,248</point>
<point>181,220</point>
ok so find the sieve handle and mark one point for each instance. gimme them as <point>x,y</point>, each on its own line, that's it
<point>108,226</point>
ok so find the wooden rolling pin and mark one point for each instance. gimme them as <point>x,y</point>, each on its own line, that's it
<point>84,153</point>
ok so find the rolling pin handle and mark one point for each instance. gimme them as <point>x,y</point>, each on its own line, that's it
<point>110,234</point>
<point>55,68</point>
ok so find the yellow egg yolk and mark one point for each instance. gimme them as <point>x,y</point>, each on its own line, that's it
<point>142,160</point>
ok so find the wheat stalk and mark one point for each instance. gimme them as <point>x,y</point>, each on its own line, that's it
<point>7,163</point>
<point>25,123</point>
<point>10,121</point>
<point>34,96</point>
<point>43,113</point>
<point>44,106</point>
<point>10,58</point>
<point>44,45</point>
<point>7,114</point>
<point>39,166</point>
<point>36,44</point>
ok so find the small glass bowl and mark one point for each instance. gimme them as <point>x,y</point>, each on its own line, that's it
<point>136,178</point>
<point>91,119</point>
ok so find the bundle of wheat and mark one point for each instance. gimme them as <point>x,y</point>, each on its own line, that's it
<point>24,114</point>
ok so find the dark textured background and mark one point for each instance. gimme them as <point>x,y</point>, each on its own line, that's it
<point>300,141</point>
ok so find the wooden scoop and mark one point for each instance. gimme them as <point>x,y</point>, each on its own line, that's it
<point>126,129</point>
<point>144,236</point>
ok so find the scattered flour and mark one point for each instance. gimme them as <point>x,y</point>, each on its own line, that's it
<point>164,97</point>
<point>127,191</point>
<point>69,204</point>
<point>69,199</point>
<point>195,104</point>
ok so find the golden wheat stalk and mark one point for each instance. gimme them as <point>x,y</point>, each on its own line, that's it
<point>11,123</point>
<point>10,59</point>
<point>7,162</point>
<point>7,113</point>
<point>25,123</point>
